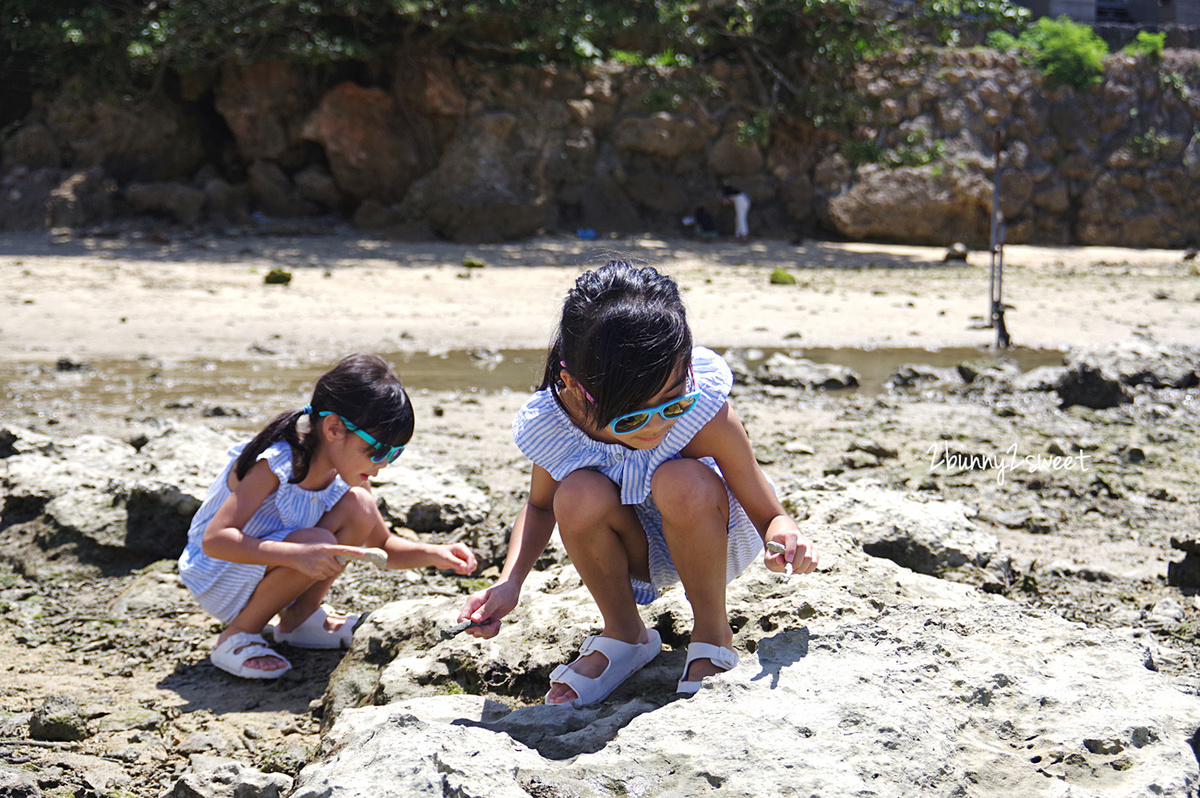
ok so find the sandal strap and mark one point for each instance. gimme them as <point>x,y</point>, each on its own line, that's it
<point>721,656</point>
<point>249,646</point>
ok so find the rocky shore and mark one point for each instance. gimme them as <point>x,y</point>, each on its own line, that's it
<point>994,614</point>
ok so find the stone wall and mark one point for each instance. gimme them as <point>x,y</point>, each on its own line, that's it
<point>434,147</point>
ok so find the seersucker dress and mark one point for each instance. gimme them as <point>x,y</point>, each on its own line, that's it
<point>221,587</point>
<point>547,436</point>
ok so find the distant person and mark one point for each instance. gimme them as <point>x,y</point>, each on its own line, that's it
<point>291,505</point>
<point>701,223</point>
<point>740,201</point>
<point>649,476</point>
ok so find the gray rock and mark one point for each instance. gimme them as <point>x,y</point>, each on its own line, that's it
<point>214,777</point>
<point>428,499</point>
<point>863,679</point>
<point>18,784</point>
<point>59,718</point>
<point>1042,378</point>
<point>111,499</point>
<point>1101,377</point>
<point>928,537</point>
<point>797,372</point>
<point>914,375</point>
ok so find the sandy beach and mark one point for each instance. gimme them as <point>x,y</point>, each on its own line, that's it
<point>205,297</point>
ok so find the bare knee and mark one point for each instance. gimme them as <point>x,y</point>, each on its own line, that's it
<point>582,500</point>
<point>311,535</point>
<point>687,492</point>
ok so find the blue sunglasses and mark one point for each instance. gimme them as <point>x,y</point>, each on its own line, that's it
<point>385,455</point>
<point>670,410</point>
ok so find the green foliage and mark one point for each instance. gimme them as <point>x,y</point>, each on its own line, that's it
<point>1066,52</point>
<point>944,20</point>
<point>756,130</point>
<point>1147,45</point>
<point>1150,144</point>
<point>1175,83</point>
<point>1003,41</point>
<point>860,151</point>
<point>912,150</point>
<point>799,54</point>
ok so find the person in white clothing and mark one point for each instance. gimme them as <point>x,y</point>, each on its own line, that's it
<point>649,475</point>
<point>740,201</point>
<point>288,511</point>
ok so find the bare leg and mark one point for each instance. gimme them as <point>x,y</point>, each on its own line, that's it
<point>607,545</point>
<point>290,593</point>
<point>695,511</point>
<point>353,521</point>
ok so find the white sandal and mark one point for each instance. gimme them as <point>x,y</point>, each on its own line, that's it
<point>624,660</point>
<point>313,634</point>
<point>231,654</point>
<point>721,656</point>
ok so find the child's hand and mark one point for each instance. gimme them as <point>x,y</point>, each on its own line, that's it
<point>319,561</point>
<point>456,557</point>
<point>789,547</point>
<point>488,607</point>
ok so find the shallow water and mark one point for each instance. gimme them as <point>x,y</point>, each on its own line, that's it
<point>241,392</point>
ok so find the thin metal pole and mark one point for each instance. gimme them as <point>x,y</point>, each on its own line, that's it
<point>996,277</point>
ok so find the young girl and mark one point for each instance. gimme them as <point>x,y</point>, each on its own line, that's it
<point>649,474</point>
<point>292,505</point>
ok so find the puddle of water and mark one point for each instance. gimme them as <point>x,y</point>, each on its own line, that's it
<point>242,392</point>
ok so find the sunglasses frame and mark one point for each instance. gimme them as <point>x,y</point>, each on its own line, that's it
<point>657,410</point>
<point>393,452</point>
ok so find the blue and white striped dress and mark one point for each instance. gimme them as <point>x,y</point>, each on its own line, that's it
<point>221,587</point>
<point>548,437</point>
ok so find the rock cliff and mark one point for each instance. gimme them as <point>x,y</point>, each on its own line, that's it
<point>453,149</point>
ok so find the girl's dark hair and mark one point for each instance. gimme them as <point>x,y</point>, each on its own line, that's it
<point>361,389</point>
<point>623,335</point>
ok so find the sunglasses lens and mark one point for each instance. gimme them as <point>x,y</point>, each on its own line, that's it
<point>677,409</point>
<point>386,457</point>
<point>630,423</point>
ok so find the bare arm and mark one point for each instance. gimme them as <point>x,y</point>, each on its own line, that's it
<point>224,539</point>
<point>531,532</point>
<point>724,439</point>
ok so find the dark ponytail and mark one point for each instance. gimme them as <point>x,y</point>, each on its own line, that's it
<point>623,336</point>
<point>362,389</point>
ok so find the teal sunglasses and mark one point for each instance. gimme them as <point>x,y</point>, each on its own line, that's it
<point>669,410</point>
<point>383,455</point>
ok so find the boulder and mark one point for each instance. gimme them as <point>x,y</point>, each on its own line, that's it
<point>274,192</point>
<point>666,134</point>
<point>111,501</point>
<point>58,719</point>
<point>83,198</point>
<point>18,784</point>
<point>218,777</point>
<point>865,678</point>
<point>481,190</point>
<point>929,537</point>
<point>1100,377</point>
<point>131,138</point>
<point>428,499</point>
<point>797,372</point>
<point>916,375</point>
<point>32,147</point>
<point>181,202</point>
<point>913,205</point>
<point>264,105</point>
<point>371,151</point>
<point>42,198</point>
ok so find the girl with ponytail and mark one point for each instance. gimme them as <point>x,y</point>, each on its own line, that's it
<point>290,509</point>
